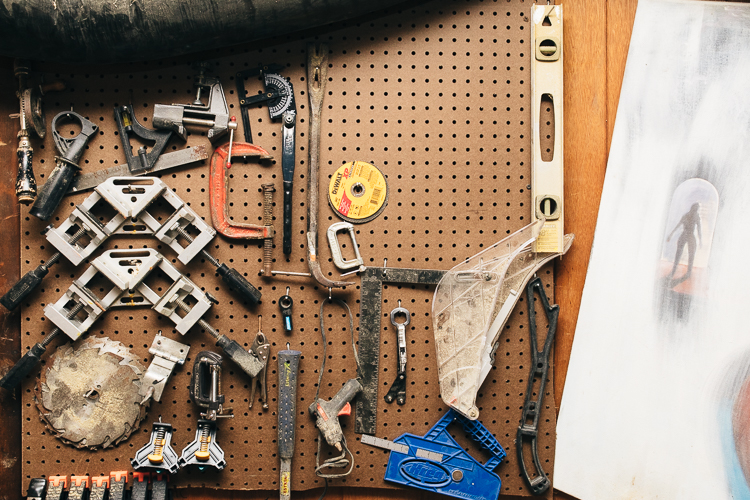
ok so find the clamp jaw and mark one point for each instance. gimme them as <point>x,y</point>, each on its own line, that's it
<point>158,454</point>
<point>214,114</point>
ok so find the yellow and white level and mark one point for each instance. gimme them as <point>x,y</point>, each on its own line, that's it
<point>546,111</point>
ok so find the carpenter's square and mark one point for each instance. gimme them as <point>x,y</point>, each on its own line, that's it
<point>288,369</point>
<point>371,300</point>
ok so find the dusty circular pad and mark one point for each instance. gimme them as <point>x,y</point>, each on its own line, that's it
<point>88,397</point>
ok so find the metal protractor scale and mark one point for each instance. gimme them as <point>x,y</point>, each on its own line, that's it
<point>88,396</point>
<point>283,94</point>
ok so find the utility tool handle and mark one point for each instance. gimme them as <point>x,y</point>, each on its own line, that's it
<point>239,284</point>
<point>67,167</point>
<point>287,246</point>
<point>249,363</point>
<point>288,370</point>
<point>23,367</point>
<point>23,287</point>
<point>25,181</point>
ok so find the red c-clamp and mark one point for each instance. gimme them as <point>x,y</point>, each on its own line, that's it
<point>217,193</point>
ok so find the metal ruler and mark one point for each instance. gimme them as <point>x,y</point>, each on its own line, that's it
<point>371,300</point>
<point>400,448</point>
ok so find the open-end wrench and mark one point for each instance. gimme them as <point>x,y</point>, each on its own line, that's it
<point>398,388</point>
<point>317,69</point>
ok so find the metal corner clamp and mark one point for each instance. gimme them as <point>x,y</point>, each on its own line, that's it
<point>278,95</point>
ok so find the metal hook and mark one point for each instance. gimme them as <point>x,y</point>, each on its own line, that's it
<point>287,346</point>
<point>329,293</point>
<point>287,290</point>
<point>385,270</point>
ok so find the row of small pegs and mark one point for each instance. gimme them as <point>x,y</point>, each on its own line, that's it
<point>112,487</point>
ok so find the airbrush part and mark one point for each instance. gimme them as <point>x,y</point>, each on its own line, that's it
<point>317,71</point>
<point>158,454</point>
<point>143,161</point>
<point>398,388</point>
<point>167,354</point>
<point>66,164</point>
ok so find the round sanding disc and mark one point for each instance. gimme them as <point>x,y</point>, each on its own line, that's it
<point>358,192</point>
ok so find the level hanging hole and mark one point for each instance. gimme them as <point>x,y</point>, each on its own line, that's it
<point>547,127</point>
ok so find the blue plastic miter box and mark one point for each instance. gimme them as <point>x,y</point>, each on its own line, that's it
<point>436,462</point>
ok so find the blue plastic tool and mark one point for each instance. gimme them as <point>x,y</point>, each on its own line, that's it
<point>436,462</point>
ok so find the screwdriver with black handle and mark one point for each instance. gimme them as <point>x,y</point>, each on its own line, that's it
<point>66,167</point>
<point>288,370</point>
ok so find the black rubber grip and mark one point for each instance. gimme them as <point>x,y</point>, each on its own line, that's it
<point>23,287</point>
<point>23,367</point>
<point>287,218</point>
<point>25,181</point>
<point>288,369</point>
<point>239,284</point>
<point>36,488</point>
<point>53,191</point>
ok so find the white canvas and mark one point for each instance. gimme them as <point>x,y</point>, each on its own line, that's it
<point>657,398</point>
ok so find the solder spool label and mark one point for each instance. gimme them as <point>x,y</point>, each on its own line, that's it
<point>358,191</point>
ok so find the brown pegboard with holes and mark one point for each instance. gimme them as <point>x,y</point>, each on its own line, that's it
<point>437,97</point>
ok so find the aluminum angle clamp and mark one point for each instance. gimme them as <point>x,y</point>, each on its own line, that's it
<point>127,271</point>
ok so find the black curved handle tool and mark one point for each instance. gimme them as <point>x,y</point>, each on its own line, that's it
<point>66,168</point>
<point>529,428</point>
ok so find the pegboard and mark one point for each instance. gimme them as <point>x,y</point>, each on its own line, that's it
<point>437,97</point>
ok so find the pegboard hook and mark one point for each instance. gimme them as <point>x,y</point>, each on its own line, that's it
<point>329,293</point>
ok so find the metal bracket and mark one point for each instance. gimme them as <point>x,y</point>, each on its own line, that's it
<point>167,354</point>
<point>371,300</point>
